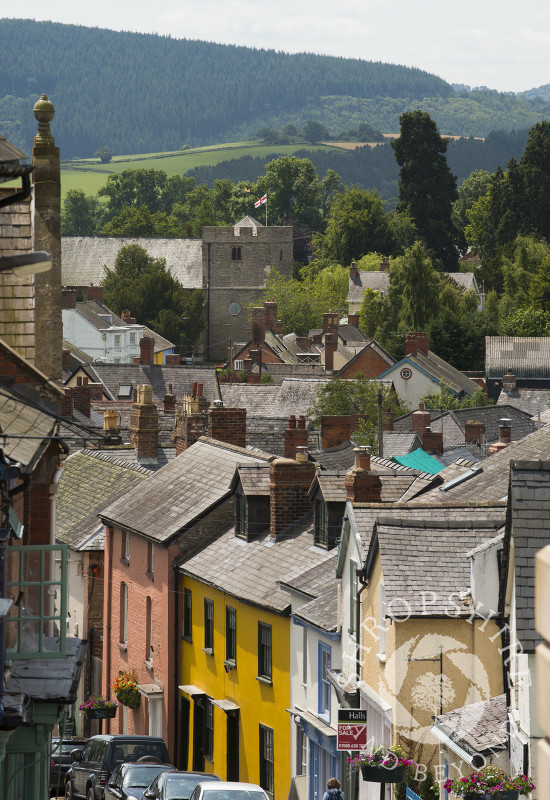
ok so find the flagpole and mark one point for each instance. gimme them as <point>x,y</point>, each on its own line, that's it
<point>266,210</point>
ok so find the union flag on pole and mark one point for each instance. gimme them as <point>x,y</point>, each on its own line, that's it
<point>261,201</point>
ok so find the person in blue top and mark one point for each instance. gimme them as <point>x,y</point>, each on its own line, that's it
<point>333,791</point>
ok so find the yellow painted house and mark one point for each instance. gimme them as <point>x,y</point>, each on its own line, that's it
<point>235,651</point>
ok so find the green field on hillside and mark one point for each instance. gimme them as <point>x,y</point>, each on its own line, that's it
<point>89,175</point>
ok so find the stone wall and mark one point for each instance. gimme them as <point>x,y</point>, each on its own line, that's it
<point>236,263</point>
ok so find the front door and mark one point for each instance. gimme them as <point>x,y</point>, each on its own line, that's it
<point>185,710</point>
<point>198,735</point>
<point>233,746</point>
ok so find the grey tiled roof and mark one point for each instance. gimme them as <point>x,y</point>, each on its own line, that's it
<point>530,519</point>
<point>293,396</point>
<point>127,454</point>
<point>92,310</point>
<point>482,726</point>
<point>254,478</point>
<point>532,401</point>
<point>166,420</point>
<point>281,371</point>
<point>158,376</point>
<point>365,516</point>
<point>49,679</point>
<point>320,584</point>
<point>393,485</point>
<point>182,491</point>
<point>91,479</point>
<point>525,356</point>
<point>379,281</point>
<point>269,434</point>
<point>491,483</point>
<point>84,258</point>
<point>522,424</point>
<point>443,371</point>
<point>342,456</point>
<point>437,564</point>
<point>252,571</point>
<point>18,420</point>
<point>350,334</point>
<point>399,444</point>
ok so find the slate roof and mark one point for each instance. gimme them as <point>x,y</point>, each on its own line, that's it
<point>393,484</point>
<point>127,455</point>
<point>166,420</point>
<point>182,491</point>
<point>268,433</point>
<point>342,456</point>
<point>78,355</point>
<point>320,584</point>
<point>84,258</point>
<point>90,480</point>
<point>437,564</point>
<point>254,478</point>
<point>530,517</point>
<point>525,356</point>
<point>491,483</point>
<point>300,370</point>
<point>49,679</point>
<point>92,311</point>
<point>482,726</point>
<point>364,517</point>
<point>20,419</point>
<point>399,444</point>
<point>252,571</point>
<point>351,335</point>
<point>379,281</point>
<point>443,371</point>
<point>293,396</point>
<point>531,401</point>
<point>158,376</point>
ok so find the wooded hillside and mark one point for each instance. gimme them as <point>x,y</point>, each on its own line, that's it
<point>139,93</point>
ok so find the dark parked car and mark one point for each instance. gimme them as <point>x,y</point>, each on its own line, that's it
<point>177,785</point>
<point>129,781</point>
<point>60,760</point>
<point>90,769</point>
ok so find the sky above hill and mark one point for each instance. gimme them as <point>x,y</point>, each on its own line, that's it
<point>493,43</point>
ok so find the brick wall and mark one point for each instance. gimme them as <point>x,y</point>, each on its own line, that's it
<point>296,435</point>
<point>289,484</point>
<point>367,363</point>
<point>228,425</point>
<point>160,587</point>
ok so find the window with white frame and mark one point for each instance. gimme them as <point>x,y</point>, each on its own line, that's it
<point>301,750</point>
<point>324,681</point>
<point>117,339</point>
<point>132,337</point>
<point>382,623</point>
<point>239,364</point>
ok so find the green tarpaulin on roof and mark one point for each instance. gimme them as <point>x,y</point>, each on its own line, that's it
<point>421,460</point>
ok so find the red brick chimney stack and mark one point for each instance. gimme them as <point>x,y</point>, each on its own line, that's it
<point>279,328</point>
<point>67,403</point>
<point>420,420</point>
<point>95,293</point>
<point>384,264</point>
<point>82,396</point>
<point>68,298</point>
<point>353,271</point>
<point>432,441</point>
<point>227,425</point>
<point>258,326</point>
<point>144,426</point>
<point>169,401</point>
<point>270,315</point>
<point>147,350</point>
<point>172,360</point>
<point>289,484</point>
<point>416,343</point>
<point>330,322</point>
<point>331,346</point>
<point>295,436</point>
<point>504,437</point>
<point>66,360</point>
<point>362,485</point>
<point>353,319</point>
<point>128,318</point>
<point>473,432</point>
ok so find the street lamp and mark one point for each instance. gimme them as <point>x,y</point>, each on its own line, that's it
<point>26,263</point>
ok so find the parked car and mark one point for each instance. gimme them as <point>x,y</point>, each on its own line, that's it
<point>129,781</point>
<point>90,768</point>
<point>177,785</point>
<point>228,790</point>
<point>60,760</point>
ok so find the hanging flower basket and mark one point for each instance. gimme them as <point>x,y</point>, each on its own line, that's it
<point>382,765</point>
<point>383,774</point>
<point>490,783</point>
<point>125,689</point>
<point>98,708</point>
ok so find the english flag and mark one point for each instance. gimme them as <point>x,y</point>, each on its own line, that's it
<point>261,201</point>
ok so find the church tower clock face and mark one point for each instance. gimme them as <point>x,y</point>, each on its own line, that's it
<point>234,308</point>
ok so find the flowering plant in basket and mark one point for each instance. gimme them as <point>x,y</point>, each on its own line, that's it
<point>125,688</point>
<point>98,704</point>
<point>388,757</point>
<point>487,782</point>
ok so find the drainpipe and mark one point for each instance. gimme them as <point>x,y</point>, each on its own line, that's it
<point>364,583</point>
<point>108,603</point>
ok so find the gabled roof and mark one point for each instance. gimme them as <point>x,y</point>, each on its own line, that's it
<point>159,377</point>
<point>102,318</point>
<point>252,571</point>
<point>365,516</point>
<point>248,222</point>
<point>85,258</point>
<point>254,479</point>
<point>441,370</point>
<point>91,479</point>
<point>490,483</point>
<point>181,492</point>
<point>525,356</point>
<point>427,554</point>
<point>482,726</point>
<point>375,347</point>
<point>293,396</point>
<point>529,503</point>
<point>531,401</point>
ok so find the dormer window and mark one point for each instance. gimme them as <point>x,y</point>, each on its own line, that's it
<point>240,516</point>
<point>321,536</point>
<point>236,254</point>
